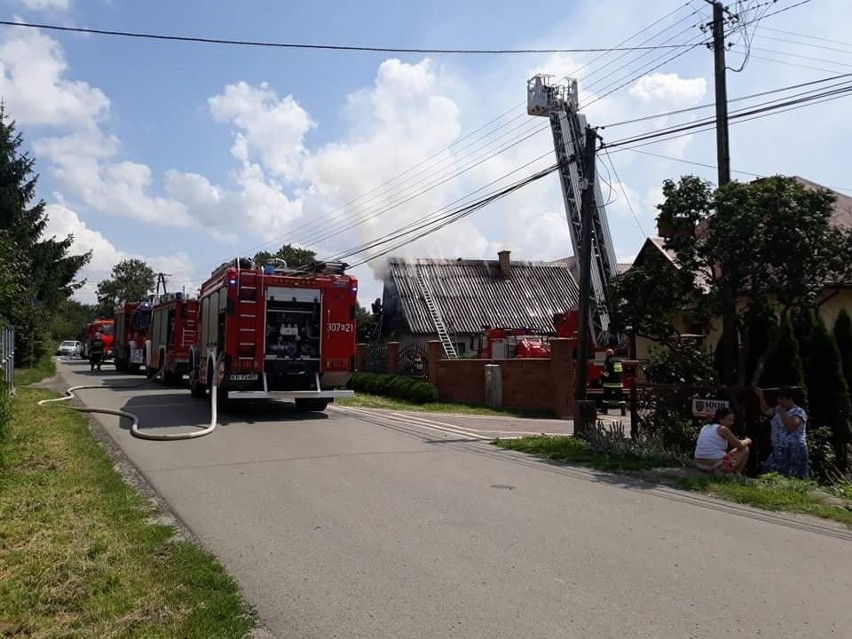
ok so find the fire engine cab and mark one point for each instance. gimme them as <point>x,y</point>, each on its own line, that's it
<point>105,328</point>
<point>276,332</point>
<point>132,326</point>
<point>174,329</point>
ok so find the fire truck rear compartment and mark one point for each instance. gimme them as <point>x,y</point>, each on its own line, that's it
<point>292,341</point>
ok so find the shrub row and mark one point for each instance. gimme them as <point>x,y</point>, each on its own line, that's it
<point>396,386</point>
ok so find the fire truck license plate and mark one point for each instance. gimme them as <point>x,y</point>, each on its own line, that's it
<point>337,364</point>
<point>243,377</point>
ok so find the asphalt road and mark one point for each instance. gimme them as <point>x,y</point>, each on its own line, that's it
<point>357,525</point>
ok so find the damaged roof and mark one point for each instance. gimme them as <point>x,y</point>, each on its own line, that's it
<point>471,294</point>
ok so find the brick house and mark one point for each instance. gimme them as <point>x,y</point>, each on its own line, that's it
<point>470,294</point>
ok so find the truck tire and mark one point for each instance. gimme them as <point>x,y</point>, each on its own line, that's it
<point>312,405</point>
<point>196,389</point>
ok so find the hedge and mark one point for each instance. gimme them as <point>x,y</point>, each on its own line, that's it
<point>396,386</point>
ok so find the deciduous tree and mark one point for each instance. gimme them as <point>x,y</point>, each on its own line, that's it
<point>757,245</point>
<point>294,256</point>
<point>131,280</point>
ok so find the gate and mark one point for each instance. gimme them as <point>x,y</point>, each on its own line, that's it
<point>7,357</point>
<point>413,361</point>
<point>375,360</point>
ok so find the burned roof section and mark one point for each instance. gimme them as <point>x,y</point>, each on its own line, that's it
<point>470,294</point>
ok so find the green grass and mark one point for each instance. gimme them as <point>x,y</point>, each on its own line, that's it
<point>46,367</point>
<point>79,554</point>
<point>580,452</point>
<point>769,492</point>
<point>365,400</point>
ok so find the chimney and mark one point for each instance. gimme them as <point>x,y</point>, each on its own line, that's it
<point>505,264</point>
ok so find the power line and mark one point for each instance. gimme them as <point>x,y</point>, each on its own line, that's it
<point>808,36</point>
<point>624,191</point>
<point>740,117</point>
<point>437,213</point>
<point>739,99</point>
<point>325,47</point>
<point>713,166</point>
<point>432,226</point>
<point>528,132</point>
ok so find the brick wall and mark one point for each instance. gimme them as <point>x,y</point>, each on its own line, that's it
<point>527,383</point>
<point>535,384</point>
<point>461,380</point>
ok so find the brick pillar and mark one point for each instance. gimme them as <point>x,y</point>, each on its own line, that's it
<point>562,377</point>
<point>436,351</point>
<point>393,357</point>
<point>360,354</point>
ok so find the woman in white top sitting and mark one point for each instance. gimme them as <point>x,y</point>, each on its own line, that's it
<point>718,449</point>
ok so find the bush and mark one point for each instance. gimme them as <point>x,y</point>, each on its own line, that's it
<point>612,441</point>
<point>822,455</point>
<point>396,386</point>
<point>667,421</point>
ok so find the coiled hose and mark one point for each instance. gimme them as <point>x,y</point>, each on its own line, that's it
<point>134,419</point>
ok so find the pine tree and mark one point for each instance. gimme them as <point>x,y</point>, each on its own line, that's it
<point>802,319</point>
<point>843,337</point>
<point>784,365</point>
<point>827,390</point>
<point>49,271</point>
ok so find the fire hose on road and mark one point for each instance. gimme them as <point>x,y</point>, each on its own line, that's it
<point>135,430</point>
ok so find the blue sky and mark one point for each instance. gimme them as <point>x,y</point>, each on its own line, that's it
<point>187,154</point>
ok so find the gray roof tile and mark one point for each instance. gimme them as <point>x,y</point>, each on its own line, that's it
<point>471,294</point>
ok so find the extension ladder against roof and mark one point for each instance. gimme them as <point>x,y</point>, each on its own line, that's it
<point>437,320</point>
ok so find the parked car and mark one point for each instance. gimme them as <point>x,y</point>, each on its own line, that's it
<point>69,348</point>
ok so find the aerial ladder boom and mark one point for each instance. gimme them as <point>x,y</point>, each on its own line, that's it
<point>559,103</point>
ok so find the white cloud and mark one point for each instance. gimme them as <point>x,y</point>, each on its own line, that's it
<point>63,221</point>
<point>271,129</point>
<point>43,5</point>
<point>32,83</point>
<point>670,89</point>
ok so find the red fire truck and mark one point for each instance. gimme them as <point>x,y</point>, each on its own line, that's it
<point>132,328</point>
<point>276,332</point>
<point>174,328</point>
<point>103,326</point>
<point>506,343</point>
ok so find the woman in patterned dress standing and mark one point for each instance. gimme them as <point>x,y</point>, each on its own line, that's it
<point>789,454</point>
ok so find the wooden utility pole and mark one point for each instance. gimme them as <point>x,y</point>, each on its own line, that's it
<point>723,150</point>
<point>723,161</point>
<point>584,410</point>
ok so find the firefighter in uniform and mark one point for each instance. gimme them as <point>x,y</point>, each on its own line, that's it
<point>96,352</point>
<point>613,386</point>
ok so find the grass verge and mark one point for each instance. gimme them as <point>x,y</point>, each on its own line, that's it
<point>79,552</point>
<point>365,400</point>
<point>769,492</point>
<point>46,367</point>
<point>580,452</point>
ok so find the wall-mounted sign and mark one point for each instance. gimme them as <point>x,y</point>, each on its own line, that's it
<point>707,407</point>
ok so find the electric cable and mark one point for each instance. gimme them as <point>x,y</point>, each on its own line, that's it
<point>456,215</point>
<point>326,47</point>
<point>425,169</point>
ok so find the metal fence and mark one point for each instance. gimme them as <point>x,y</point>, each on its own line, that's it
<point>7,357</point>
